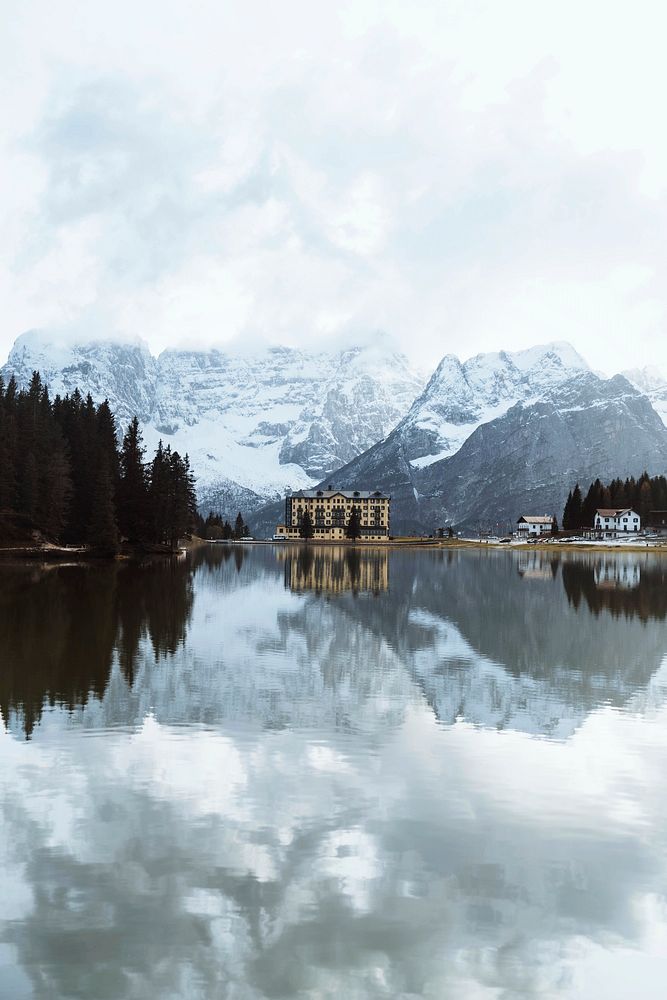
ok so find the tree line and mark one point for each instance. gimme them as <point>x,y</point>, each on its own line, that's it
<point>215,529</point>
<point>642,495</point>
<point>61,470</point>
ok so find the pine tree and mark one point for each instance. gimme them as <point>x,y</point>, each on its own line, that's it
<point>61,468</point>
<point>645,504</point>
<point>191,491</point>
<point>133,487</point>
<point>240,528</point>
<point>7,448</point>
<point>567,513</point>
<point>158,494</point>
<point>306,527</point>
<point>29,486</point>
<point>594,499</point>
<point>103,530</point>
<point>180,507</point>
<point>576,508</point>
<point>56,488</point>
<point>353,528</point>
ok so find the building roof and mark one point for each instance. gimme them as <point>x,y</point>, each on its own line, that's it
<point>348,494</point>
<point>613,511</point>
<point>535,519</point>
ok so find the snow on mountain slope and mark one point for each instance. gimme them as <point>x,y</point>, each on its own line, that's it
<point>525,459</point>
<point>254,424</point>
<point>461,396</point>
<point>653,383</point>
<point>125,373</point>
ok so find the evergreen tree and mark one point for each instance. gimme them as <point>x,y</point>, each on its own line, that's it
<point>191,492</point>
<point>158,494</point>
<point>133,487</point>
<point>353,528</point>
<point>56,489</point>
<point>576,508</point>
<point>240,528</point>
<point>594,499</point>
<point>645,500</point>
<point>103,530</point>
<point>7,448</point>
<point>181,514</point>
<point>61,468</point>
<point>306,527</point>
<point>567,513</point>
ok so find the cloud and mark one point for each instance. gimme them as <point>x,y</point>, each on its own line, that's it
<point>456,174</point>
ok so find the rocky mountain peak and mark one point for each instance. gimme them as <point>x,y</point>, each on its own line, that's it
<point>254,422</point>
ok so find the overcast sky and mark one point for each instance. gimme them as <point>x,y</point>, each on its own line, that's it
<point>462,175</point>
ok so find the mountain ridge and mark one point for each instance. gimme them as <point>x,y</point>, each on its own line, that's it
<point>523,461</point>
<point>254,424</point>
<point>461,447</point>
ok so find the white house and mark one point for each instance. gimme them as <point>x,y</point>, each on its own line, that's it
<point>529,526</point>
<point>610,523</point>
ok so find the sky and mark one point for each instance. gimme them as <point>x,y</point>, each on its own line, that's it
<point>462,176</point>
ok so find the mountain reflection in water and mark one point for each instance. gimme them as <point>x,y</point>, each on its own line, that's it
<point>453,618</point>
<point>301,771</point>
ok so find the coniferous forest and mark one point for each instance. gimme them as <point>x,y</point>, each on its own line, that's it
<point>215,528</point>
<point>642,495</point>
<point>64,474</point>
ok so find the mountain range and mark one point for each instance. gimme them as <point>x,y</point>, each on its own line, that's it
<point>477,443</point>
<point>255,424</point>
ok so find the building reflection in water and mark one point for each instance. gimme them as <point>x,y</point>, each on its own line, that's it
<point>334,569</point>
<point>612,574</point>
<point>268,805</point>
<point>619,584</point>
<point>548,619</point>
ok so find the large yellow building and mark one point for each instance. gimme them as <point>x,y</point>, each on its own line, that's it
<point>330,512</point>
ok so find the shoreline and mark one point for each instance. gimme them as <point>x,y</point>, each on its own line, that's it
<point>649,546</point>
<point>63,554</point>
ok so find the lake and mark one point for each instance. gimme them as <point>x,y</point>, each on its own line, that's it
<point>259,771</point>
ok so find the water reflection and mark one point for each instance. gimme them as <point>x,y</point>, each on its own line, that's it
<point>622,586</point>
<point>236,788</point>
<point>61,625</point>
<point>335,569</point>
<point>525,641</point>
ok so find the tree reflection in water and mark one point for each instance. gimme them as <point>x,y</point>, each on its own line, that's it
<point>62,627</point>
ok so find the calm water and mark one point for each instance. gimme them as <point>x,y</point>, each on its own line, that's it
<point>258,772</point>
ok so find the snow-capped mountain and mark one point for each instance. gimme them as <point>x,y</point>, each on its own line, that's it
<point>653,383</point>
<point>254,424</point>
<point>526,459</point>
<point>484,437</point>
<point>125,373</point>
<point>461,396</point>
